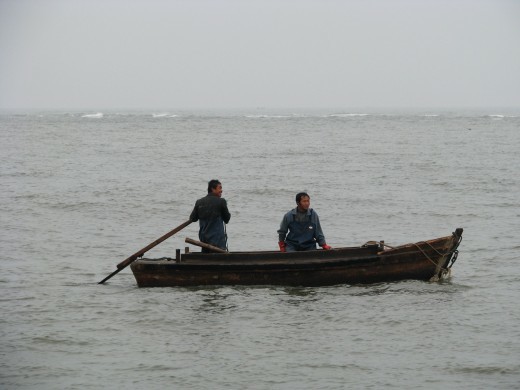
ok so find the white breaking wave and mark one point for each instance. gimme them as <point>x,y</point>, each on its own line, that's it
<point>499,116</point>
<point>269,116</point>
<point>344,115</point>
<point>97,115</point>
<point>165,115</point>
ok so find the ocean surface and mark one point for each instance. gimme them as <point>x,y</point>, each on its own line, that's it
<point>82,191</point>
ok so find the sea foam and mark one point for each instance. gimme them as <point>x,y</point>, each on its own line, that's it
<point>97,115</point>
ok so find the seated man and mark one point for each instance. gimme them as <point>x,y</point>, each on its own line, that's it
<point>300,229</point>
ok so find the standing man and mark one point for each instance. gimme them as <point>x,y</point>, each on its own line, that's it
<point>303,225</point>
<point>212,213</point>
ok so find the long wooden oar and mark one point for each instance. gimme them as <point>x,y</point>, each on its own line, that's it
<point>134,257</point>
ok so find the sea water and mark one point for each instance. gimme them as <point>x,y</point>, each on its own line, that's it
<point>82,191</point>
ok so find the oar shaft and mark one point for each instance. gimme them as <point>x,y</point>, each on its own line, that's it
<point>134,257</point>
<point>109,276</point>
<point>124,263</point>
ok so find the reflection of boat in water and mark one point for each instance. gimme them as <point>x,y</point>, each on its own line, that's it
<point>370,263</point>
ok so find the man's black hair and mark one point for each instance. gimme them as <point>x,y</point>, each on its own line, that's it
<point>300,195</point>
<point>212,184</point>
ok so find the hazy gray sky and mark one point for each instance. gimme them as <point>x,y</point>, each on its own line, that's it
<point>81,54</point>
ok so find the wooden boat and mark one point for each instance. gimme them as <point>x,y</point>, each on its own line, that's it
<point>372,262</point>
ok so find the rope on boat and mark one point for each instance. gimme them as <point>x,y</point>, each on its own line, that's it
<point>425,254</point>
<point>444,272</point>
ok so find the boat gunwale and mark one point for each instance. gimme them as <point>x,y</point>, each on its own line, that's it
<point>384,257</point>
<point>333,255</point>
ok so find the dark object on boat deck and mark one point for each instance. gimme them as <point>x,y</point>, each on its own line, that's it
<point>370,263</point>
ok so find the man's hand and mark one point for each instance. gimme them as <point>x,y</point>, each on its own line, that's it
<point>326,247</point>
<point>281,244</point>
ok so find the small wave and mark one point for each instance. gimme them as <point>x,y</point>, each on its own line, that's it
<point>56,341</point>
<point>344,115</point>
<point>268,116</point>
<point>501,116</point>
<point>487,370</point>
<point>97,115</point>
<point>81,205</point>
<point>164,115</point>
<point>430,115</point>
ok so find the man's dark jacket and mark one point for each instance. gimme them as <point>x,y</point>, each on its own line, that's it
<point>211,212</point>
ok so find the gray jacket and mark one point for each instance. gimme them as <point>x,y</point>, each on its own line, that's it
<point>296,238</point>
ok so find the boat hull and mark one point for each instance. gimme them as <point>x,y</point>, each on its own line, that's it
<point>426,260</point>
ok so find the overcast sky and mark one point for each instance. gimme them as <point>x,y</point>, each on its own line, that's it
<point>90,54</point>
